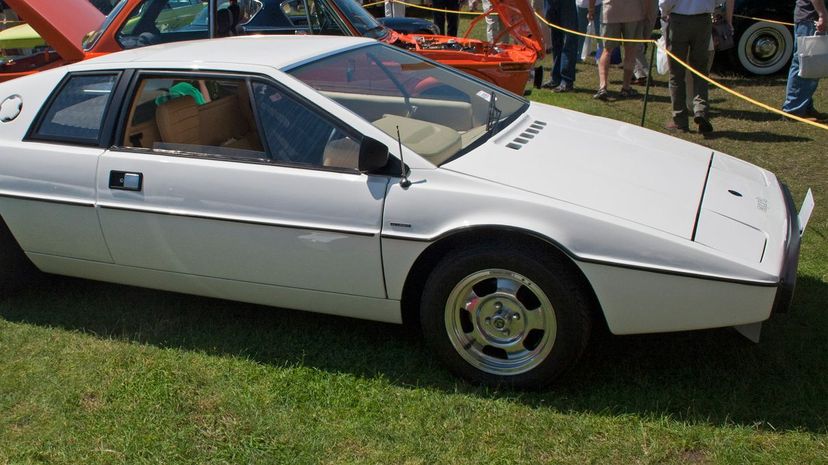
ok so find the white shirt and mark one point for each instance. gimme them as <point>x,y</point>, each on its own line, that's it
<point>585,3</point>
<point>686,7</point>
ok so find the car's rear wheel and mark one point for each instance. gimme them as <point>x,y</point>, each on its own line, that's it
<point>764,48</point>
<point>15,268</point>
<point>498,315</point>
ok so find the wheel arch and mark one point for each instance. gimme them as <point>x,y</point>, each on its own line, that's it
<point>428,258</point>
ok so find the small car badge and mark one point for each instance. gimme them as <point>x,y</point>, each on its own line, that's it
<point>10,108</point>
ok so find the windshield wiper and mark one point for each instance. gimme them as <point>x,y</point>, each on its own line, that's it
<point>494,114</point>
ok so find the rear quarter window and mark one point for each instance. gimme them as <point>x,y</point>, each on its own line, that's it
<point>75,113</point>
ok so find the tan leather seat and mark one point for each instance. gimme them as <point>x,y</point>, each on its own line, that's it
<point>178,121</point>
<point>341,153</point>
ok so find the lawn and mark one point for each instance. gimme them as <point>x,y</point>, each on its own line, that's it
<point>98,373</point>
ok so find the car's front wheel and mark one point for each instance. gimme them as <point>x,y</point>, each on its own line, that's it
<point>764,48</point>
<point>499,315</point>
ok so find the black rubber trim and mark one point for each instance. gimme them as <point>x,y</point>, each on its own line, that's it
<point>701,200</point>
<point>32,134</point>
<point>576,258</point>
<point>787,277</point>
<point>235,220</point>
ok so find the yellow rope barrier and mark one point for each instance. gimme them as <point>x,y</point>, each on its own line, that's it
<point>742,96</point>
<point>765,20</point>
<point>674,57</point>
<point>422,7</point>
<point>696,72</point>
<point>591,36</point>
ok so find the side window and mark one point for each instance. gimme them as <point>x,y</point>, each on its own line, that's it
<point>76,112</point>
<point>209,116</point>
<point>296,134</point>
<point>159,21</point>
<point>323,20</point>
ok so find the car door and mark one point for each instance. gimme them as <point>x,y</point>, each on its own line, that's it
<point>47,180</point>
<point>229,177</point>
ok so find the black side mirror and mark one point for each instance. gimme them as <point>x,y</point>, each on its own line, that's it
<point>373,155</point>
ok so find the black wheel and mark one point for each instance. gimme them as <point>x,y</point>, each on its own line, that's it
<point>763,48</point>
<point>15,268</point>
<point>501,315</point>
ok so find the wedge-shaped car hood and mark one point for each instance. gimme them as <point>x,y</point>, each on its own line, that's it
<point>61,23</point>
<point>614,168</point>
<point>519,16</point>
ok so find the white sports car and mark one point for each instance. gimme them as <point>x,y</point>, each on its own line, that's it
<point>344,176</point>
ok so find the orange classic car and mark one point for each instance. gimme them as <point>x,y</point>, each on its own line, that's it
<point>77,30</point>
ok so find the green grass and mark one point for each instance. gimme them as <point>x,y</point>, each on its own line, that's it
<point>98,373</point>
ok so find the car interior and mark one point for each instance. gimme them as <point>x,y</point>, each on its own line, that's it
<point>219,121</point>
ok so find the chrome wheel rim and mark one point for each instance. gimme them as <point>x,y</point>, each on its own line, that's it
<point>765,47</point>
<point>500,322</point>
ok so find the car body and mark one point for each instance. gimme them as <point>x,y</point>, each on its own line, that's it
<point>350,177</point>
<point>762,47</point>
<point>135,23</point>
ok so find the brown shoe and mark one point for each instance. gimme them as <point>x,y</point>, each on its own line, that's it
<point>813,115</point>
<point>812,119</point>
<point>672,126</point>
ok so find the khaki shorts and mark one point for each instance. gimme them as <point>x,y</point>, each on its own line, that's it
<point>634,30</point>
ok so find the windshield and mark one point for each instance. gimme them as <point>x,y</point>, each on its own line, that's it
<point>359,17</point>
<point>439,112</point>
<point>93,37</point>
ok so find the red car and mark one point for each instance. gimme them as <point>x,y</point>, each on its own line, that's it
<point>66,25</point>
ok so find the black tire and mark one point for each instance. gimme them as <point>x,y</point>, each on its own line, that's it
<point>488,344</point>
<point>762,48</point>
<point>15,267</point>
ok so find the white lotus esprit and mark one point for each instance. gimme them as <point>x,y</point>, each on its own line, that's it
<point>344,176</point>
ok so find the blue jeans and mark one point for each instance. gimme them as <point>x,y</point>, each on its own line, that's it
<point>800,91</point>
<point>582,27</point>
<point>564,46</point>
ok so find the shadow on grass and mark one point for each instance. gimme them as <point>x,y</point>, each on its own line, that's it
<point>707,377</point>
<point>753,136</point>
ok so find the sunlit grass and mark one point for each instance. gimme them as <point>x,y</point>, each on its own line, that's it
<point>99,373</point>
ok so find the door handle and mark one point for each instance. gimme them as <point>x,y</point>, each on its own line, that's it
<point>126,180</point>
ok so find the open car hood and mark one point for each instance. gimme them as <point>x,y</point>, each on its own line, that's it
<point>62,24</point>
<point>519,17</point>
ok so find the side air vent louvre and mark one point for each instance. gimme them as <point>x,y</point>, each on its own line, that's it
<point>527,135</point>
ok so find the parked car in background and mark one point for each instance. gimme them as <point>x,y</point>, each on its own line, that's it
<point>762,47</point>
<point>62,25</point>
<point>331,177</point>
<point>136,23</point>
<point>409,25</point>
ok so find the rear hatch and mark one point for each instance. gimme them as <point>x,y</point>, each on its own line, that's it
<point>519,17</point>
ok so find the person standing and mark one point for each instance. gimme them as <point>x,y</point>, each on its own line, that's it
<point>689,28</point>
<point>394,9</point>
<point>493,23</point>
<point>621,19</point>
<point>809,18</point>
<point>564,45</point>
<point>447,22</point>
<point>583,22</point>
